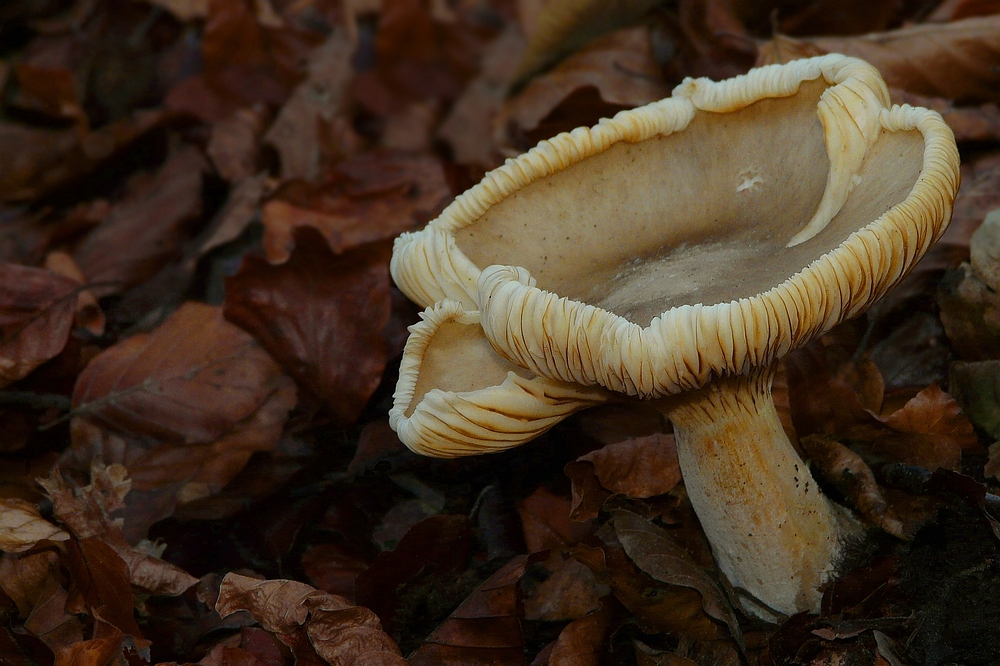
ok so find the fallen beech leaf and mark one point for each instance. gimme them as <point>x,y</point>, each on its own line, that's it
<point>41,160</point>
<point>471,119</point>
<point>976,388</point>
<point>321,316</point>
<point>647,656</point>
<point>847,472</point>
<point>581,642</point>
<point>312,131</point>
<point>333,568</point>
<point>185,405</point>
<point>653,551</point>
<point>562,27</point>
<point>588,493</point>
<point>570,593</point>
<point>641,467</point>
<point>36,314</point>
<point>934,414</point>
<point>619,65</point>
<point>657,606</point>
<point>104,648</point>
<point>546,523</point>
<point>22,526</point>
<point>89,315</point>
<point>438,546</point>
<point>50,89</point>
<point>340,632</point>
<point>50,619</point>
<point>100,577</point>
<point>26,578</point>
<point>950,60</point>
<point>952,10</point>
<point>378,195</point>
<point>85,511</point>
<point>485,628</point>
<point>233,145</point>
<point>146,231</point>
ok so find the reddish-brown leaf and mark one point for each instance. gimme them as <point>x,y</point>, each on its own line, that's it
<point>312,131</point>
<point>546,522</point>
<point>437,545</point>
<point>485,628</point>
<point>620,66</point>
<point>233,145</point>
<point>184,407</point>
<point>570,593</point>
<point>321,316</point>
<point>581,642</point>
<point>40,160</point>
<point>372,197</point>
<point>333,568</point>
<point>588,493</point>
<point>641,467</point>
<point>145,231</point>
<point>36,314</point>
<point>950,60</point>
<point>100,578</point>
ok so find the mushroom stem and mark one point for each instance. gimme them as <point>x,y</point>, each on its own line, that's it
<point>774,535</point>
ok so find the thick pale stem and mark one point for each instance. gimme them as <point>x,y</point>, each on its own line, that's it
<point>774,535</point>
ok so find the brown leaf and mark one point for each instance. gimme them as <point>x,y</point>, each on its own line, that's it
<point>970,313</point>
<point>847,472</point>
<point>641,467</point>
<point>952,10</point>
<point>468,127</point>
<point>100,577</point>
<point>340,632</point>
<point>333,568</point>
<point>588,493</point>
<point>49,619</point>
<point>36,314</point>
<point>22,526</point>
<point>485,628</point>
<point>562,27</point>
<point>581,642</point>
<point>938,424</point>
<point>321,316</point>
<point>52,90</point>
<point>89,315</point>
<point>969,123</point>
<point>377,196</point>
<point>570,593</point>
<point>144,232</point>
<point>184,407</point>
<point>653,551</point>
<point>546,523</point>
<point>312,131</point>
<point>86,512</point>
<point>184,10</point>
<point>41,160</point>
<point>26,578</point>
<point>233,145</point>
<point>950,60</point>
<point>620,66</point>
<point>436,545</point>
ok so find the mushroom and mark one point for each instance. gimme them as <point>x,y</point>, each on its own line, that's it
<point>674,254</point>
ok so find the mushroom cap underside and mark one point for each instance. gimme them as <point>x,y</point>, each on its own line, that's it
<point>701,235</point>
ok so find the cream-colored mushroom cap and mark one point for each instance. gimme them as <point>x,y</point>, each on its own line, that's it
<point>700,236</point>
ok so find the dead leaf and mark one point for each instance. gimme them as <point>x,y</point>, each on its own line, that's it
<point>969,123</point>
<point>40,160</point>
<point>438,545</point>
<point>581,642</point>
<point>485,628</point>
<point>374,196</point>
<point>653,551</point>
<point>312,131</point>
<point>184,10</point>
<point>22,526</point>
<point>847,472</point>
<point>546,523</point>
<point>333,568</point>
<point>100,578</point>
<point>186,404</point>
<point>341,633</point>
<point>570,593</point>
<point>949,60</point>
<point>144,232</point>
<point>89,315</point>
<point>620,66</point>
<point>51,90</point>
<point>976,388</point>
<point>640,467</point>
<point>86,512</point>
<point>321,316</point>
<point>233,144</point>
<point>563,27</point>
<point>469,126</point>
<point>952,10</point>
<point>36,314</point>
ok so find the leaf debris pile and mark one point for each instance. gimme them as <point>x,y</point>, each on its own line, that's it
<point>199,340</point>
